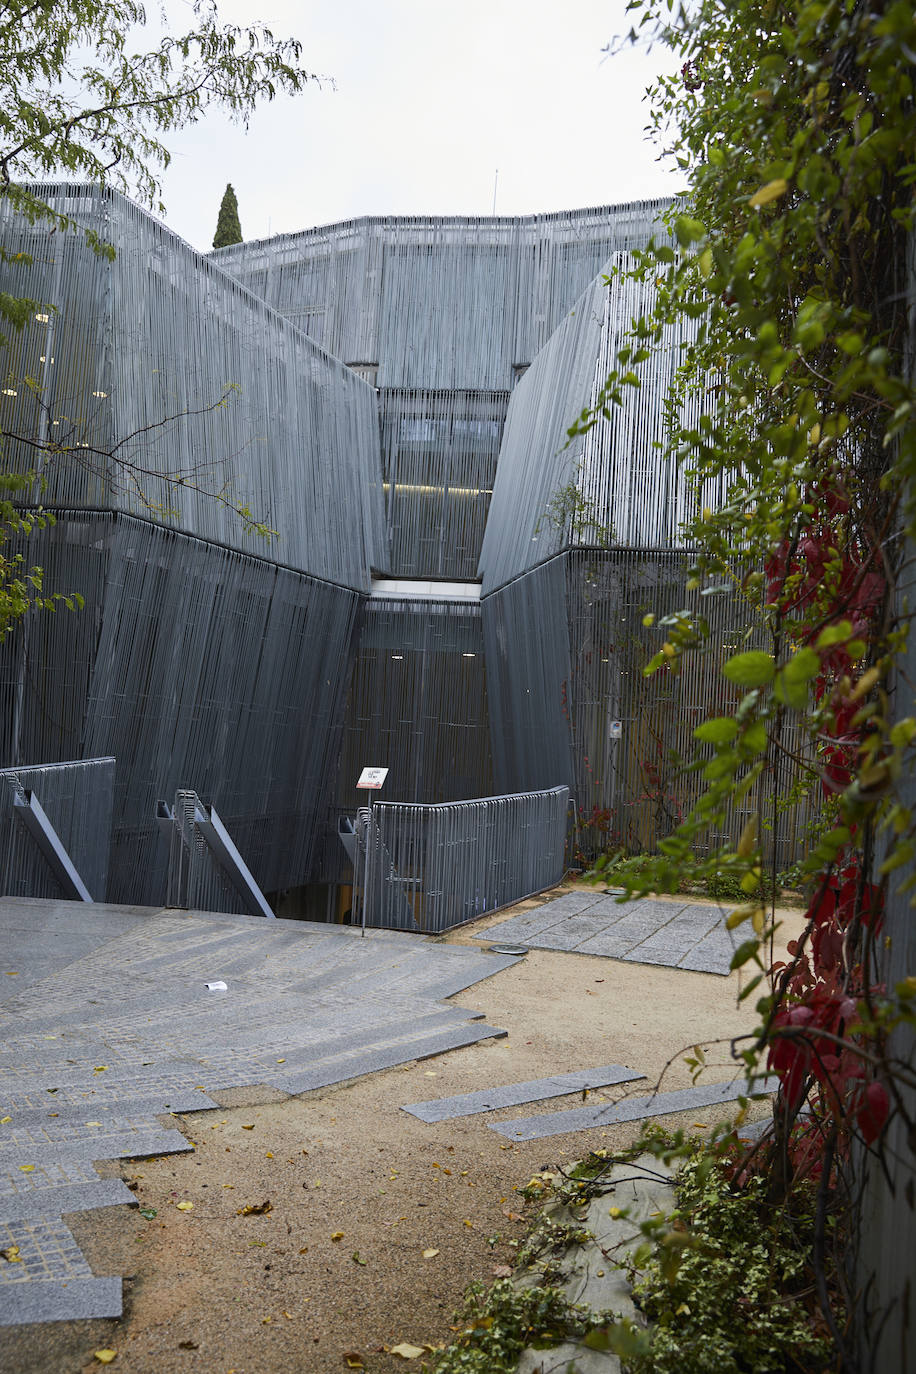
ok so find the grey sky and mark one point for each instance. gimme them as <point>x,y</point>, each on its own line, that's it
<point>428,100</point>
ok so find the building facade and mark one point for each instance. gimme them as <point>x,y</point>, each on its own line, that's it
<point>451,588</point>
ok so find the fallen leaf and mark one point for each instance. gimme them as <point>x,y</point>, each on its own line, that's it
<point>11,1253</point>
<point>248,1128</point>
<point>185,1206</point>
<point>188,1345</point>
<point>513,1216</point>
<point>265,1321</point>
<point>262,1243</point>
<point>430,1254</point>
<point>407,1351</point>
<point>255,1209</point>
<point>337,1235</point>
<point>269,1155</point>
<point>304,1250</point>
<point>287,1315</point>
<point>93,1123</point>
<point>356,1259</point>
<point>502,1271</point>
<point>12,973</point>
<point>429,1074</point>
<point>27,1168</point>
<point>4,1120</point>
<point>148,1212</point>
<point>105,1356</point>
<point>468,1222</point>
<point>101,1068</point>
<point>354,1359</point>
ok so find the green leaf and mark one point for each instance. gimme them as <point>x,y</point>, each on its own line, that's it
<point>802,666</point>
<point>751,669</point>
<point>743,953</point>
<point>720,730</point>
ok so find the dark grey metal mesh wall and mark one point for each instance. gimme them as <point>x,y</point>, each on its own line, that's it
<point>444,316</point>
<point>417,705</point>
<point>194,666</point>
<point>565,647</point>
<point>161,332</point>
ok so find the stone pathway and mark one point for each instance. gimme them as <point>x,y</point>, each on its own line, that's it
<point>107,1025</point>
<point>646,931</point>
<point>515,1094</point>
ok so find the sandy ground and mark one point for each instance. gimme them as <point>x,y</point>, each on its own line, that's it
<point>358,1190</point>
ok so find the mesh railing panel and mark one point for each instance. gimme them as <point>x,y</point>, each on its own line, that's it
<point>435,867</point>
<point>77,799</point>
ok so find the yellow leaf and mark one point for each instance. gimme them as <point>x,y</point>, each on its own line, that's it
<point>93,1123</point>
<point>430,1254</point>
<point>248,1128</point>
<point>337,1235</point>
<point>4,1120</point>
<point>354,1359</point>
<point>615,1212</point>
<point>468,1222</point>
<point>741,913</point>
<point>772,191</point>
<point>281,1061</point>
<point>748,838</point>
<point>255,1209</point>
<point>105,1356</point>
<point>100,1068</point>
<point>407,1351</point>
<point>269,1155</point>
<point>11,1253</point>
<point>185,1206</point>
<point>12,973</point>
<point>27,1168</point>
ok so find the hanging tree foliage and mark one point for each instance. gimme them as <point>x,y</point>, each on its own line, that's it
<point>228,226</point>
<point>795,124</point>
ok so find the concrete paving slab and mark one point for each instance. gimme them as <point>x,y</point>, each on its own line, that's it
<point>60,1300</point>
<point>73,1197</point>
<point>630,1109</point>
<point>671,933</point>
<point>514,1094</point>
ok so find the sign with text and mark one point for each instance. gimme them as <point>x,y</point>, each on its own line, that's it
<point>371,779</point>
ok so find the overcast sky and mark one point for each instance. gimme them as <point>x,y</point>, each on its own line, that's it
<point>428,100</point>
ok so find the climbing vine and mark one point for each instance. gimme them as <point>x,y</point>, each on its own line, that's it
<point>795,124</point>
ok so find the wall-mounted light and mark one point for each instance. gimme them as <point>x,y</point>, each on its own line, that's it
<point>397,656</point>
<point>43,319</point>
<point>102,395</point>
<point>8,391</point>
<point>43,359</point>
<point>468,655</point>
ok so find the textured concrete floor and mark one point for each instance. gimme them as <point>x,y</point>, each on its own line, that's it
<point>108,1026</point>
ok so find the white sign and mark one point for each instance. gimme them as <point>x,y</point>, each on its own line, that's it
<point>371,779</point>
<point>615,729</point>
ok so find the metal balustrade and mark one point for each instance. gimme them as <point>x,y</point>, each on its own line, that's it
<point>55,829</point>
<point>206,870</point>
<point>432,867</point>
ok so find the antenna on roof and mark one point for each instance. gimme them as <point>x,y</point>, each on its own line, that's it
<point>495,181</point>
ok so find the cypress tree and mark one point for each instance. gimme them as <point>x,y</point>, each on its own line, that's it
<point>228,228</point>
